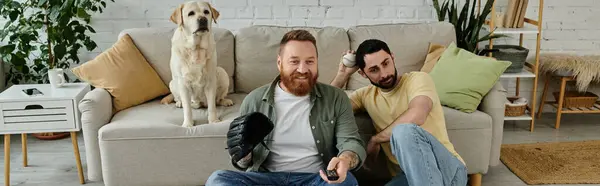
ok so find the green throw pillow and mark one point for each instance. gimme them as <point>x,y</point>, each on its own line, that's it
<point>463,78</point>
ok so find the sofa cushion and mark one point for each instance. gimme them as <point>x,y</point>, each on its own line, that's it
<point>256,50</point>
<point>155,112</point>
<point>408,42</point>
<point>433,55</point>
<point>460,120</point>
<point>155,45</point>
<point>137,153</point>
<point>145,129</point>
<point>112,70</point>
<point>462,78</point>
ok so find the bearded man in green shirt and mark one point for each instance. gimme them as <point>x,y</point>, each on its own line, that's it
<point>314,124</point>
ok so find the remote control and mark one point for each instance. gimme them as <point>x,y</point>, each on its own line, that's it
<point>331,175</point>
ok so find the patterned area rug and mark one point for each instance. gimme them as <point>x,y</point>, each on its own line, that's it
<point>554,163</point>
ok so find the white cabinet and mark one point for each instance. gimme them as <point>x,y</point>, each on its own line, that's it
<point>54,111</point>
<point>42,115</point>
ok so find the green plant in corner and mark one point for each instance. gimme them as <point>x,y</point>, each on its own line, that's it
<point>467,23</point>
<point>43,35</point>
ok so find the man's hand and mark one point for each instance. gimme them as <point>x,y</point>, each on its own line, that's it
<point>344,72</point>
<point>418,110</point>
<point>340,165</point>
<point>244,162</point>
<point>343,69</point>
<point>373,148</point>
<point>372,153</point>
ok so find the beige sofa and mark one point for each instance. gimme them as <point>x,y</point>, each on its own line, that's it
<point>145,144</point>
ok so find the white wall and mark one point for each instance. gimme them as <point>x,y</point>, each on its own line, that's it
<point>568,26</point>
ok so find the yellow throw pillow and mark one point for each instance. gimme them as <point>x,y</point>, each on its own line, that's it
<point>124,72</point>
<point>433,55</point>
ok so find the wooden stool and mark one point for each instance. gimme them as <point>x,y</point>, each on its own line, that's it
<point>559,106</point>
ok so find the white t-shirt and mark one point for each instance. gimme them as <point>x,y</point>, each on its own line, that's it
<point>293,148</point>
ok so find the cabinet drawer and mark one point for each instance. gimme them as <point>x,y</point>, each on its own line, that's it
<point>38,115</point>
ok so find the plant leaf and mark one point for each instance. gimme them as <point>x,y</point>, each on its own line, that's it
<point>7,48</point>
<point>54,13</point>
<point>59,52</point>
<point>463,15</point>
<point>444,10</point>
<point>82,13</point>
<point>18,61</point>
<point>7,58</point>
<point>13,15</point>
<point>90,45</point>
<point>90,29</point>
<point>436,6</point>
<point>490,36</point>
<point>42,2</point>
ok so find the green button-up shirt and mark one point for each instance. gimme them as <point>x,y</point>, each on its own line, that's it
<point>331,120</point>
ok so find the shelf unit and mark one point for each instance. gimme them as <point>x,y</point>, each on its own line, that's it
<point>531,27</point>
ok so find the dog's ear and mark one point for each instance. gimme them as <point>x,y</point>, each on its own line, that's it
<point>177,16</point>
<point>215,14</point>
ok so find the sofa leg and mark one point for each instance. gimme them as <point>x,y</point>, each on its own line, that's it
<point>475,179</point>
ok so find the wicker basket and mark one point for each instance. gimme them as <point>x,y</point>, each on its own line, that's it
<point>512,111</point>
<point>513,53</point>
<point>577,99</point>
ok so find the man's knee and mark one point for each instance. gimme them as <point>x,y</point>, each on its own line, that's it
<point>404,133</point>
<point>350,179</point>
<point>218,177</point>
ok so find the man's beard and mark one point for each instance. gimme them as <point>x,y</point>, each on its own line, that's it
<point>387,86</point>
<point>299,88</point>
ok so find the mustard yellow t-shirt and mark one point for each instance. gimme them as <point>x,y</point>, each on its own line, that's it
<point>385,107</point>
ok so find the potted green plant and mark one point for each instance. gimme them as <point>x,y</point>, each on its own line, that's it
<point>44,36</point>
<point>467,23</point>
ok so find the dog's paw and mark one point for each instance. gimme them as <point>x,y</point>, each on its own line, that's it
<point>226,102</point>
<point>195,105</point>
<point>213,118</point>
<point>188,124</point>
<point>214,121</point>
<point>178,104</point>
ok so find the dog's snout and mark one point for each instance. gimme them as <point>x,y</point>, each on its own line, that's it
<point>203,21</point>
<point>202,25</point>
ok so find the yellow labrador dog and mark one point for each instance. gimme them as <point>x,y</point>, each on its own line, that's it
<point>197,80</point>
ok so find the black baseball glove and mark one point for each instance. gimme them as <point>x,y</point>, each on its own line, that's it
<point>245,133</point>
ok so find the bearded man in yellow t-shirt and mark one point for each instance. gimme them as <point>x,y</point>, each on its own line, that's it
<point>408,118</point>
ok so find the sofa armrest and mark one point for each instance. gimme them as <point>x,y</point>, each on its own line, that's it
<point>96,111</point>
<point>493,105</point>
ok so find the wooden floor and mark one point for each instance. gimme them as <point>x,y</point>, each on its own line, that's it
<point>52,162</point>
<point>49,162</point>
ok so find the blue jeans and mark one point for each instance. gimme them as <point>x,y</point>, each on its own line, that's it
<point>423,159</point>
<point>228,177</point>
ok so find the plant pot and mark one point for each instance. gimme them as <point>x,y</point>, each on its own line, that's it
<point>51,135</point>
<point>517,55</point>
